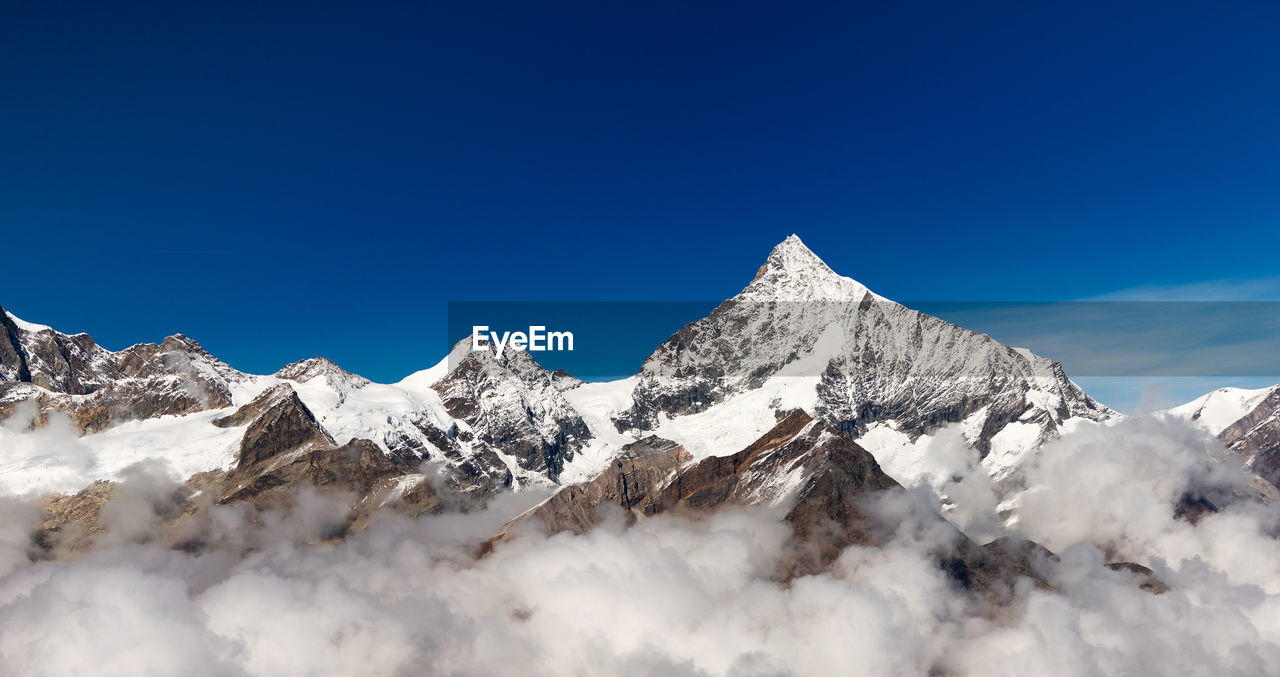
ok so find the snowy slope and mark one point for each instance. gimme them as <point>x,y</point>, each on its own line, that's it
<point>56,459</point>
<point>598,404</point>
<point>27,326</point>
<point>1219,409</point>
<point>1247,422</point>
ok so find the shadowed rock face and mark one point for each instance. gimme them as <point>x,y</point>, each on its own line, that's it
<point>803,466</point>
<point>282,427</point>
<point>358,475</point>
<point>479,470</point>
<point>790,461</point>
<point>515,405</point>
<point>13,359</point>
<point>253,410</point>
<point>98,388</point>
<point>284,451</point>
<point>358,465</point>
<point>285,448</point>
<point>1144,578</point>
<point>74,365</point>
<point>628,482</point>
<point>1257,437</point>
<point>359,469</point>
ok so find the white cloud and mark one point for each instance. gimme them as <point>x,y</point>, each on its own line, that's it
<point>669,596</point>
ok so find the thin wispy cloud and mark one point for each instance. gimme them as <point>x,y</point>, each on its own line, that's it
<point>1259,289</point>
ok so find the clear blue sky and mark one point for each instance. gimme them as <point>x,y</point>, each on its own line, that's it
<point>279,182</point>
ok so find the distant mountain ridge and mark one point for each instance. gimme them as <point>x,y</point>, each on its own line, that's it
<point>99,388</point>
<point>44,372</point>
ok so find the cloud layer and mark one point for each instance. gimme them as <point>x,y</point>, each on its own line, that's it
<point>668,595</point>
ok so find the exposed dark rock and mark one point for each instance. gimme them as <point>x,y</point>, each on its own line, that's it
<point>479,472</point>
<point>13,360</point>
<point>357,472</point>
<point>72,520</point>
<point>818,475</point>
<point>995,567</point>
<point>98,388</point>
<point>283,427</point>
<point>628,482</point>
<point>1145,578</point>
<point>359,465</point>
<point>254,409</point>
<point>1193,505</point>
<point>340,380</point>
<point>1256,436</point>
<point>515,405</point>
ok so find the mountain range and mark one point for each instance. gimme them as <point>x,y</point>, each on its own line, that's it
<point>806,392</point>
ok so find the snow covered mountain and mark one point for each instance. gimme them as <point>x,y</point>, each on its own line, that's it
<point>515,405</point>
<point>98,388</point>
<point>1246,421</point>
<point>798,337</point>
<point>801,336</point>
<point>170,402</point>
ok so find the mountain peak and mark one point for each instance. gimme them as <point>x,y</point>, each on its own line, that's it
<point>182,342</point>
<point>24,325</point>
<point>303,371</point>
<point>793,272</point>
<point>792,253</point>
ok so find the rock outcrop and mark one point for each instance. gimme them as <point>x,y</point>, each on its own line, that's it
<point>513,404</point>
<point>629,482</point>
<point>341,381</point>
<point>98,388</point>
<point>284,425</point>
<point>1256,436</point>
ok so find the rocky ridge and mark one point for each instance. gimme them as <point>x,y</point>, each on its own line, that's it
<point>98,388</point>
<point>512,403</point>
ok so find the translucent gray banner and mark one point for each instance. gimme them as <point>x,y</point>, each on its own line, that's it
<point>1121,338</point>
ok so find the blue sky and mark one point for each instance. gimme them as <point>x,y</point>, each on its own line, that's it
<point>282,181</point>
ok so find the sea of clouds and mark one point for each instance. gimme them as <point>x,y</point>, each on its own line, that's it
<point>670,595</point>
